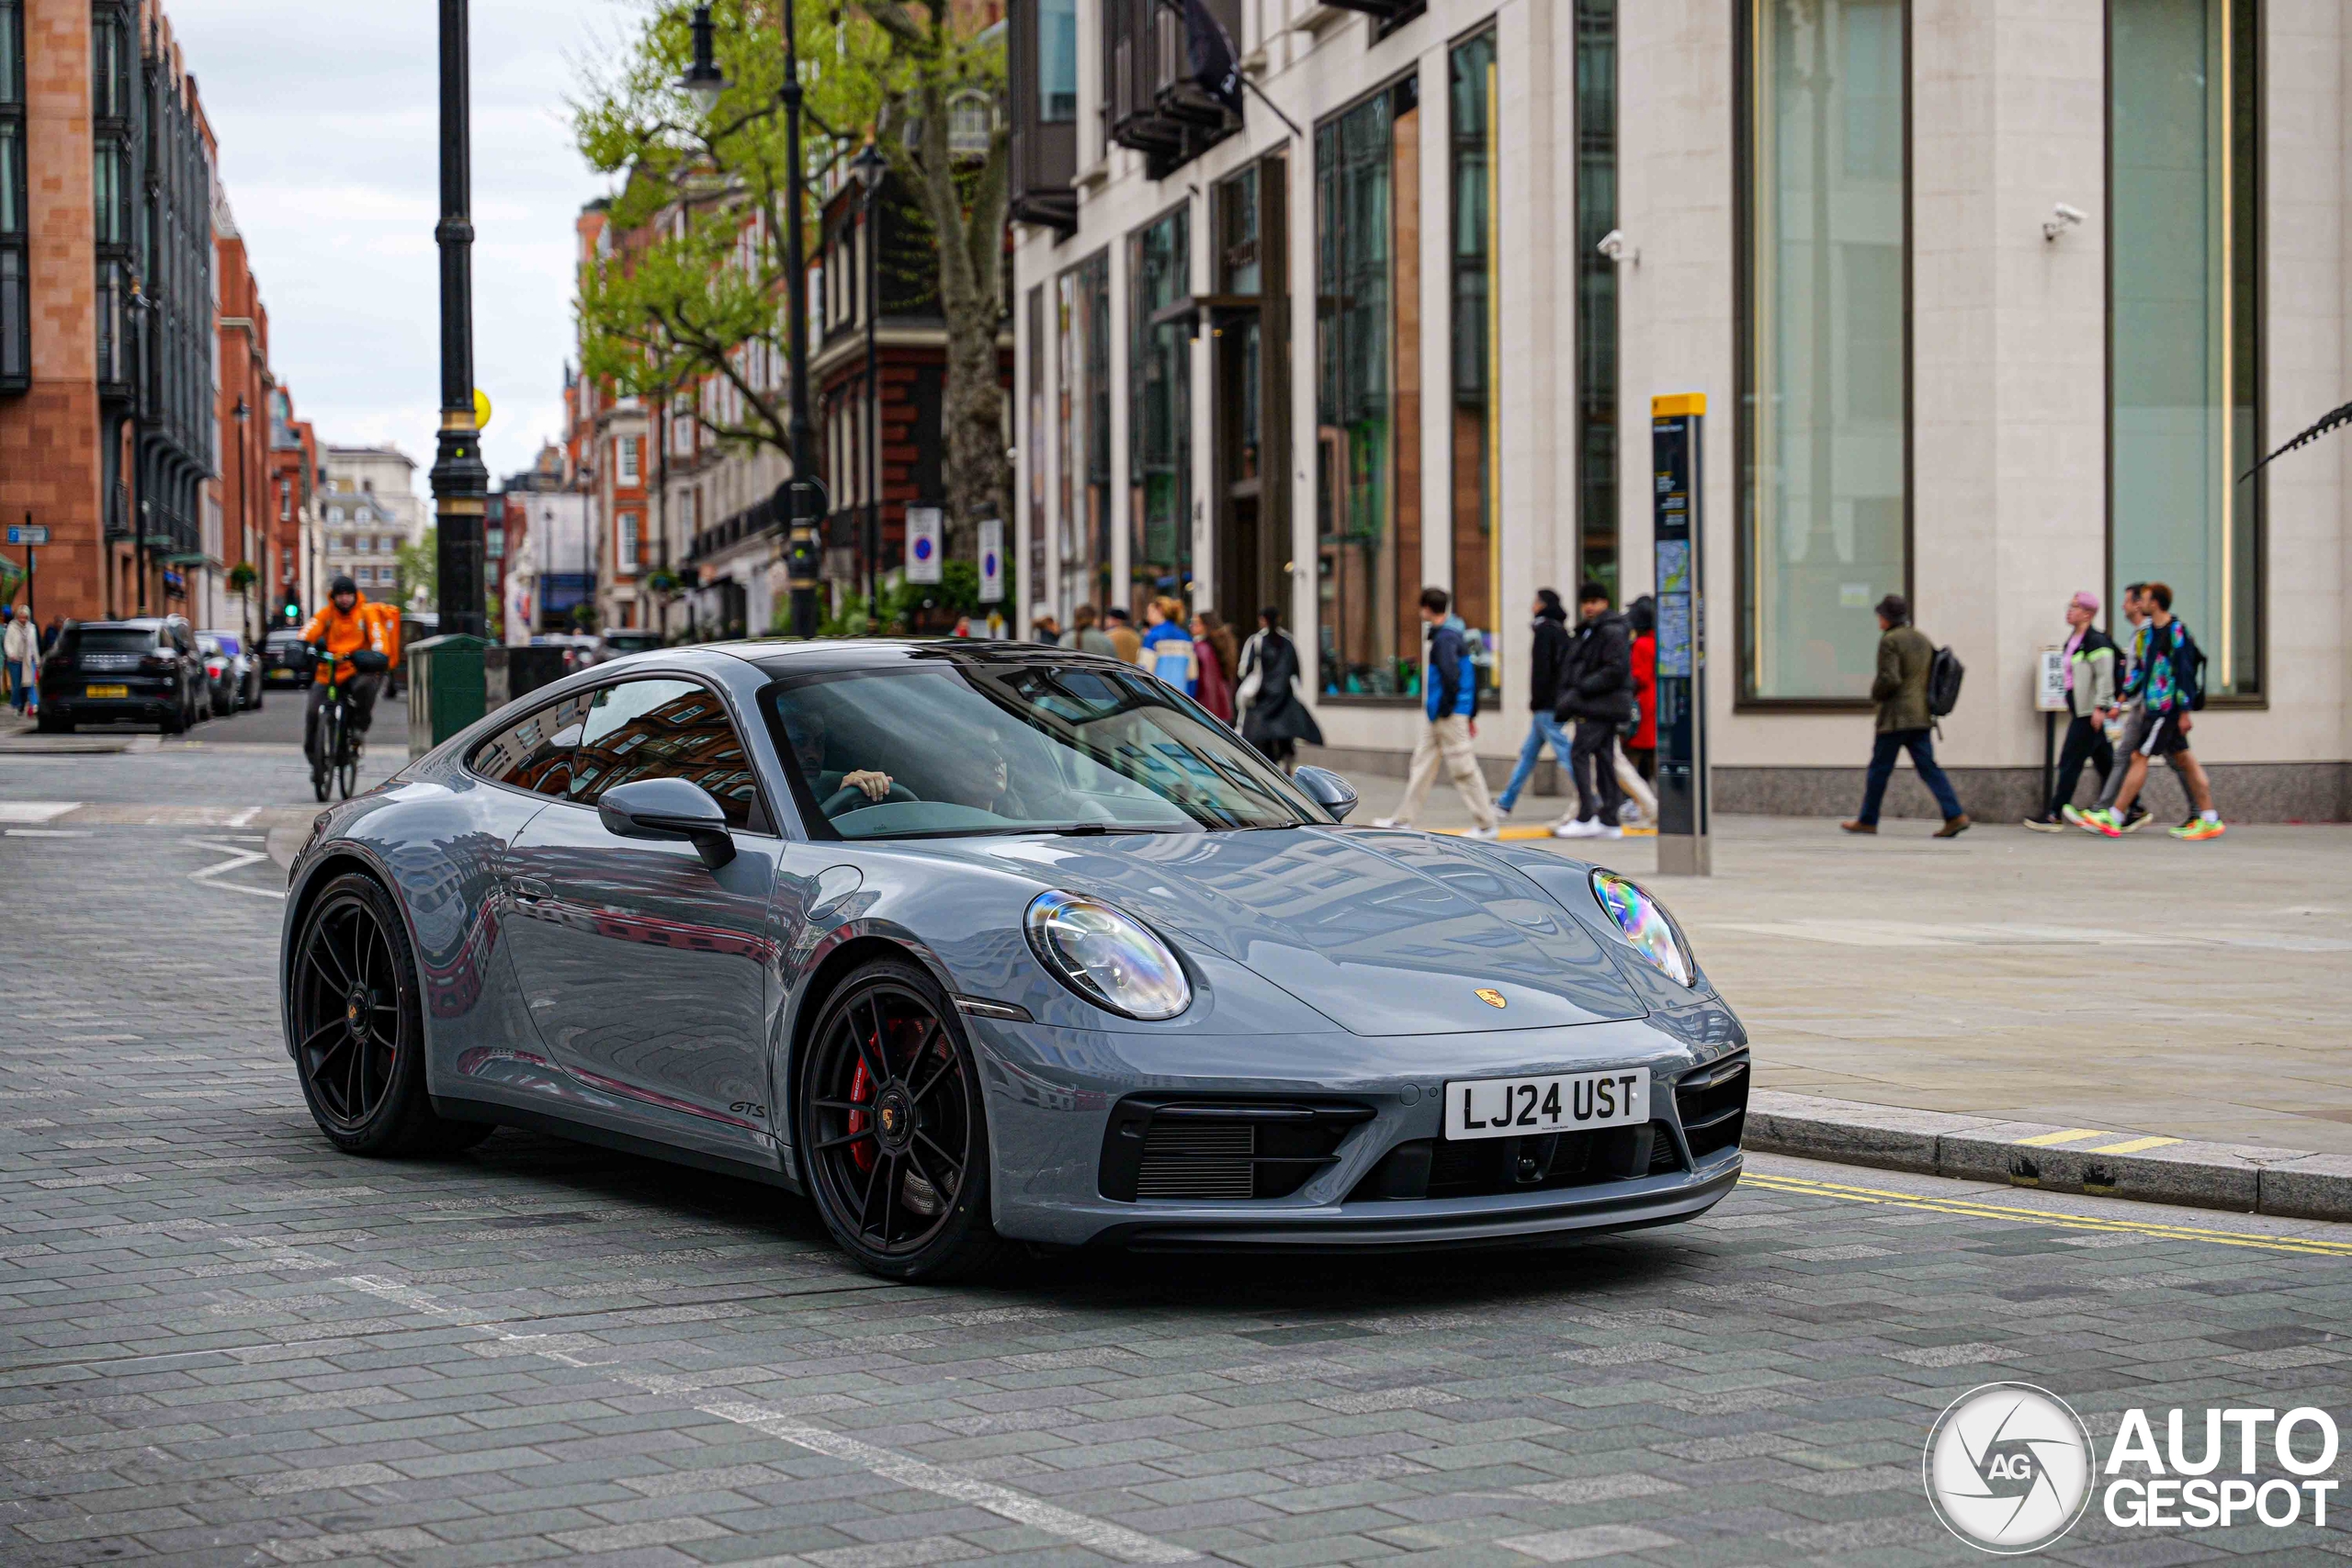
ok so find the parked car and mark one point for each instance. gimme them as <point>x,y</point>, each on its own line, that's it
<point>228,672</point>
<point>579,650</point>
<point>148,669</point>
<point>285,658</point>
<point>981,945</point>
<point>624,641</point>
<point>248,658</point>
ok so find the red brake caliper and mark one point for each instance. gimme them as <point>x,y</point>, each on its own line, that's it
<point>861,1089</point>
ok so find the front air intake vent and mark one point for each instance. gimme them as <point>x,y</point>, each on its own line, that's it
<point>1220,1151</point>
<point>1713,1102</point>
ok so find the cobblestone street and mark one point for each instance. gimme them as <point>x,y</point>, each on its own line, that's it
<point>222,1343</point>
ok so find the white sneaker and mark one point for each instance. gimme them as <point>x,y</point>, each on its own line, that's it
<point>1484,835</point>
<point>1609,830</point>
<point>1390,822</point>
<point>1631,817</point>
<point>1582,829</point>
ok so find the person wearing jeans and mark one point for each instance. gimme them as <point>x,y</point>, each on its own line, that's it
<point>1545,661</point>
<point>1900,690</point>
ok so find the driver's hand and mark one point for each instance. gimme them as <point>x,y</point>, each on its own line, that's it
<point>875,785</point>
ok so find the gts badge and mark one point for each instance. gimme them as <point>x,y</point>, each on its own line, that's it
<point>748,1108</point>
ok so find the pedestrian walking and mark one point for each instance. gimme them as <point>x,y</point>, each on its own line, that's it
<point>1596,696</point>
<point>1637,750</point>
<point>2090,701</point>
<point>1904,655</point>
<point>1167,647</point>
<point>1266,696</point>
<point>1047,629</point>
<point>1450,705</point>
<point>1212,646</point>
<point>20,644</point>
<point>2170,683</point>
<point>1085,633</point>
<point>1546,659</point>
<point>1126,644</point>
<point>2129,722</point>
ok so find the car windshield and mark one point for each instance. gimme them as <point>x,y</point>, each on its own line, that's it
<point>1017,746</point>
<point>632,642</point>
<point>207,643</point>
<point>111,639</point>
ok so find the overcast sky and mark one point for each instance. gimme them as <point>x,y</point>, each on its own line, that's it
<point>328,120</point>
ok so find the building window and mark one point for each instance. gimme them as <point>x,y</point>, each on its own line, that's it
<point>1057,61</point>
<point>1032,451</point>
<point>1368,393</point>
<point>1596,52</point>
<point>1159,412</point>
<point>971,120</point>
<point>625,550</point>
<point>493,543</point>
<point>1825,446</point>
<point>1478,325</point>
<point>16,283</point>
<point>1083,313</point>
<point>2185,315</point>
<point>625,458</point>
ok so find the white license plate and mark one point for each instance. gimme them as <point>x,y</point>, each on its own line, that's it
<point>1562,1102</point>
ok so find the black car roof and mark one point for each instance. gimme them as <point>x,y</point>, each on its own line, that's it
<point>884,653</point>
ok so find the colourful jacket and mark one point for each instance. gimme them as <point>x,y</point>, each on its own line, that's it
<point>2156,679</point>
<point>1450,688</point>
<point>1168,653</point>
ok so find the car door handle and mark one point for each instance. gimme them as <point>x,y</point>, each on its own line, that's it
<point>529,890</point>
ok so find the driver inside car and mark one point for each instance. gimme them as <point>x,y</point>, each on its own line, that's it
<point>807,731</point>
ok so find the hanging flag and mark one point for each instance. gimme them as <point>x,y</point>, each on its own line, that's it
<point>1214,66</point>
<point>924,544</point>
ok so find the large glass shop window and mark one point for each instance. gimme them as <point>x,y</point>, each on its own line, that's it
<point>1159,420</point>
<point>1823,489</point>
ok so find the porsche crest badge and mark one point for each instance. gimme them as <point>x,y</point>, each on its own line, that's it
<point>1491,997</point>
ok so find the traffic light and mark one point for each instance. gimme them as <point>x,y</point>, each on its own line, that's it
<point>293,608</point>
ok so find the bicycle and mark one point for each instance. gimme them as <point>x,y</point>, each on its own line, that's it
<point>336,765</point>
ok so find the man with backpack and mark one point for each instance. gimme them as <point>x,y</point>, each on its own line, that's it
<point>2170,684</point>
<point>1906,708</point>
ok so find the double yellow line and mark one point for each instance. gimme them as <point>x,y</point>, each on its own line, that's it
<point>1969,1209</point>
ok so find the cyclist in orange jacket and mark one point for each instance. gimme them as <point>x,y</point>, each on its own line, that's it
<point>349,628</point>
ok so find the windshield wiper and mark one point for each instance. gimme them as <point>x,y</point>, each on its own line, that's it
<point>1095,830</point>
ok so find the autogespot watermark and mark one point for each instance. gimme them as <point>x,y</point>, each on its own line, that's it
<point>2010,1468</point>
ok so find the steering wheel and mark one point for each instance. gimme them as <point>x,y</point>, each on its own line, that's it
<point>841,799</point>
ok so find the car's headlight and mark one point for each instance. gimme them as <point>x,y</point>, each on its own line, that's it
<point>1642,922</point>
<point>1107,956</point>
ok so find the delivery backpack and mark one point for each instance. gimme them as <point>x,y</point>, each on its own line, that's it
<point>1944,674</point>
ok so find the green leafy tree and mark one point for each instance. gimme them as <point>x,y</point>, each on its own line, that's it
<point>418,566</point>
<point>695,285</point>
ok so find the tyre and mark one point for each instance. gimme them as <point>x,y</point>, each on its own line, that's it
<point>892,1131</point>
<point>346,777</point>
<point>358,1017</point>
<point>49,725</point>
<point>173,722</point>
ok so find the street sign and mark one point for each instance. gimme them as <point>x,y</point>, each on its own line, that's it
<point>991,560</point>
<point>1678,533</point>
<point>925,542</point>
<point>2049,683</point>
<point>28,534</point>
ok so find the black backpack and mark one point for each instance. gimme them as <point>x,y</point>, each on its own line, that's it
<point>1944,674</point>
<point>2188,669</point>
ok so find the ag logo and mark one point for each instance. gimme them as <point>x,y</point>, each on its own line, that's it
<point>2009,1468</point>
<point>1492,998</point>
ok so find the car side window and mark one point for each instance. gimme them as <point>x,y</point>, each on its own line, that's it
<point>663,727</point>
<point>535,753</point>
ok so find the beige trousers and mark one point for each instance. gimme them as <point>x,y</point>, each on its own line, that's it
<point>1446,741</point>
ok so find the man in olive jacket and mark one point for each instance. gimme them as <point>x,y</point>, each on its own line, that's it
<point>1900,693</point>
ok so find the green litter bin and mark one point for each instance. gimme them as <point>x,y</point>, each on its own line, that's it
<point>445,689</point>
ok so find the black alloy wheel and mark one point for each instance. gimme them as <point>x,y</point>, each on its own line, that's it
<point>352,1005</point>
<point>893,1136</point>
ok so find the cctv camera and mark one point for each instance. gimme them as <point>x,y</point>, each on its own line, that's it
<point>1612,245</point>
<point>2061,218</point>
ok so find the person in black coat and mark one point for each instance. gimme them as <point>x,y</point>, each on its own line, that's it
<point>1547,661</point>
<point>1266,692</point>
<point>1596,696</point>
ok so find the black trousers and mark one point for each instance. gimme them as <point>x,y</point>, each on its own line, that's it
<point>360,688</point>
<point>2086,741</point>
<point>1592,760</point>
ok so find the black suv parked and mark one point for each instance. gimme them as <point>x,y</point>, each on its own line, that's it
<point>146,669</point>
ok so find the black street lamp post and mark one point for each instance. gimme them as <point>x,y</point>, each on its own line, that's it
<point>244,519</point>
<point>870,166</point>
<point>460,480</point>
<point>806,497</point>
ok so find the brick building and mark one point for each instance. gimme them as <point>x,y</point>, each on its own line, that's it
<point>109,415</point>
<point>240,405</point>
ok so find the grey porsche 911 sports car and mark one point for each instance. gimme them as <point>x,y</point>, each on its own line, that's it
<point>987,943</point>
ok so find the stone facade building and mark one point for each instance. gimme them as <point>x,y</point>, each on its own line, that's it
<point>1989,302</point>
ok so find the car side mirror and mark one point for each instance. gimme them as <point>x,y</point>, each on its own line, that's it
<point>1328,790</point>
<point>669,808</point>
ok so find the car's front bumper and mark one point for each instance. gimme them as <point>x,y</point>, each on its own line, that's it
<point>1051,1093</point>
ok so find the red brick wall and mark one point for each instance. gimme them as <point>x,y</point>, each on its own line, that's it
<point>49,437</point>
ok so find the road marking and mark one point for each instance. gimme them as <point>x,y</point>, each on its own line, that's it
<point>1097,1535</point>
<point>1972,1209</point>
<point>35,811</point>
<point>239,858</point>
<point>50,833</point>
<point>244,818</point>
<point>2131,1146</point>
<point>2072,1135</point>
